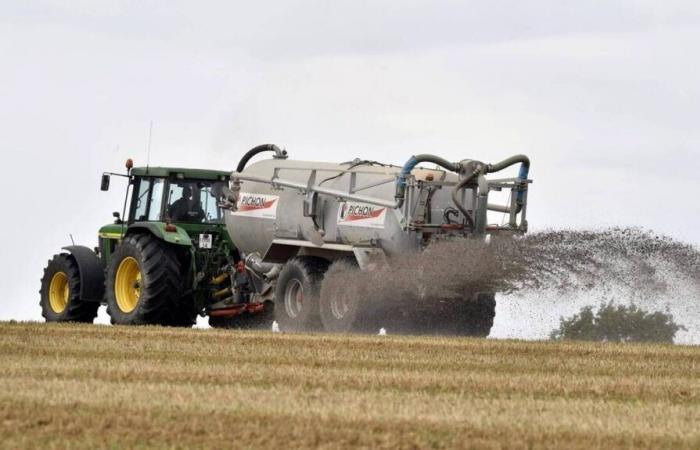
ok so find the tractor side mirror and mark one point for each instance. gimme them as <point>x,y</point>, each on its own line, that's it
<point>105,182</point>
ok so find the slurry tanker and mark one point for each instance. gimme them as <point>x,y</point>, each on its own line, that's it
<point>252,246</point>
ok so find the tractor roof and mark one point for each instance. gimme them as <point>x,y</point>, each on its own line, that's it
<point>198,174</point>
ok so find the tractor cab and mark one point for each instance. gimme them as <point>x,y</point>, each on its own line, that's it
<point>178,196</point>
<point>178,205</point>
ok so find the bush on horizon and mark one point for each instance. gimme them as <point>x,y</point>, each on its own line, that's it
<point>617,323</point>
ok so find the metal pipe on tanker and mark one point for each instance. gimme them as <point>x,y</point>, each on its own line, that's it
<point>303,187</point>
<point>491,168</point>
<point>265,270</point>
<point>455,196</point>
<point>524,160</point>
<point>523,174</point>
<point>411,164</point>
<point>482,205</point>
<point>499,208</point>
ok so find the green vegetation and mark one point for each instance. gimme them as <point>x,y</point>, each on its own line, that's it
<point>618,323</point>
<point>83,386</point>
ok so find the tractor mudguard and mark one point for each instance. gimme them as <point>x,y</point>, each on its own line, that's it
<point>157,229</point>
<point>92,276</point>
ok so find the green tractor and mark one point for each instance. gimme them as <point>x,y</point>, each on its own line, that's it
<point>167,260</point>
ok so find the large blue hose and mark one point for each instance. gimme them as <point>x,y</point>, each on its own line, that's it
<point>522,175</point>
<point>406,170</point>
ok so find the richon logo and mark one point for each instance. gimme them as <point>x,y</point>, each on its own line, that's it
<point>349,213</point>
<point>252,202</point>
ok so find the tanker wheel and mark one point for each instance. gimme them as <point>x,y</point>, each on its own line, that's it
<point>144,284</point>
<point>341,306</point>
<point>60,293</point>
<point>297,293</point>
<point>475,317</point>
<point>246,321</point>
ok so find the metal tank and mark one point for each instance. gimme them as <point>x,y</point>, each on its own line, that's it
<point>280,208</point>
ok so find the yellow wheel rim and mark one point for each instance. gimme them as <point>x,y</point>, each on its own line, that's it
<point>127,285</point>
<point>59,292</point>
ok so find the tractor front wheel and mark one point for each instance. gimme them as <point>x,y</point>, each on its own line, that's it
<point>60,293</point>
<point>145,285</point>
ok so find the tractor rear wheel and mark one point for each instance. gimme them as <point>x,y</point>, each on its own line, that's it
<point>145,284</point>
<point>60,293</point>
<point>297,293</point>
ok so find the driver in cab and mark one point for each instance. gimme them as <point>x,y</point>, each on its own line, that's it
<point>186,209</point>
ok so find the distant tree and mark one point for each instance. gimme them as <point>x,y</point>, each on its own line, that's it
<point>617,323</point>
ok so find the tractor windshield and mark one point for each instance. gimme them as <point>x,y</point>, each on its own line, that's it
<point>148,200</point>
<point>194,201</point>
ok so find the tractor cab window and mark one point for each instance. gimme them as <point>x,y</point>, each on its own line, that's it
<point>149,199</point>
<point>156,211</point>
<point>194,201</point>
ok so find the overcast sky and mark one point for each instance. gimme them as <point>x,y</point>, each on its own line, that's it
<point>602,95</point>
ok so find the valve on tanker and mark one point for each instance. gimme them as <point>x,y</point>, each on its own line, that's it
<point>229,198</point>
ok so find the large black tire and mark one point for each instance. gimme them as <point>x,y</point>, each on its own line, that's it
<point>343,307</point>
<point>473,317</point>
<point>297,293</point>
<point>145,284</point>
<point>60,293</point>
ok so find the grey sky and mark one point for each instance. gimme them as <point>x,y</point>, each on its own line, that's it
<point>603,95</point>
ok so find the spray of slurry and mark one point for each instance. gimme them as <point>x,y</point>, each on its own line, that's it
<point>624,264</point>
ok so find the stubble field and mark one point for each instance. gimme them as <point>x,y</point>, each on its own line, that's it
<point>79,386</point>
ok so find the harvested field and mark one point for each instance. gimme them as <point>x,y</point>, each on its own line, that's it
<point>92,386</point>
